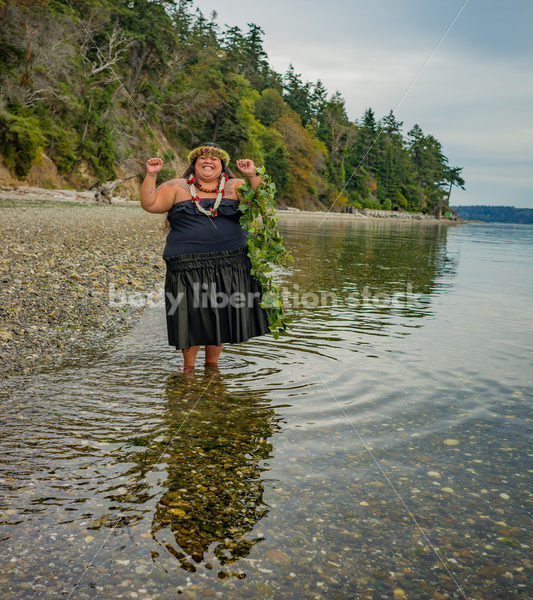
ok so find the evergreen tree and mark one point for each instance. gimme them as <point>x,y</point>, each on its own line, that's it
<point>336,131</point>
<point>233,43</point>
<point>245,54</point>
<point>256,67</point>
<point>183,20</point>
<point>318,98</point>
<point>297,94</point>
<point>362,155</point>
<point>452,176</point>
<point>430,170</point>
<point>366,139</point>
<point>203,33</point>
<point>390,152</point>
<point>390,125</point>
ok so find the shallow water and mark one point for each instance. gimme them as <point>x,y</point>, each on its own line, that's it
<point>378,451</point>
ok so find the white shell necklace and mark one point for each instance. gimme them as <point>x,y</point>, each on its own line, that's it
<point>212,211</point>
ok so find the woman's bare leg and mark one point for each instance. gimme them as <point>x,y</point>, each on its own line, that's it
<point>189,357</point>
<point>212,354</point>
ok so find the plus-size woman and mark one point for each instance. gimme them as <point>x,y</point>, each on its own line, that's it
<point>211,297</point>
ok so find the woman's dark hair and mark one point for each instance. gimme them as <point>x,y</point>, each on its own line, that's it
<point>225,168</point>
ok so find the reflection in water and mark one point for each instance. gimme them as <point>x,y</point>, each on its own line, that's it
<point>371,279</point>
<point>215,442</point>
<point>383,256</point>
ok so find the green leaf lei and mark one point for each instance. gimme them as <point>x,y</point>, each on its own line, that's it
<point>265,246</point>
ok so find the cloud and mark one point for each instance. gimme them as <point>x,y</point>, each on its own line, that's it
<point>474,95</point>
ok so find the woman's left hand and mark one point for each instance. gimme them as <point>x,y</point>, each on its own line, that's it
<point>246,167</point>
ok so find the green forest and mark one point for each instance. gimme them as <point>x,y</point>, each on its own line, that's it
<point>98,86</point>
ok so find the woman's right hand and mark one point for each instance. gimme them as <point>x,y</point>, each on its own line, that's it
<point>153,165</point>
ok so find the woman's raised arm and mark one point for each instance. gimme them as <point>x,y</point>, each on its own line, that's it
<point>247,168</point>
<point>160,199</point>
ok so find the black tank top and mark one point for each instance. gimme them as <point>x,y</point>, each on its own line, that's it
<point>192,231</point>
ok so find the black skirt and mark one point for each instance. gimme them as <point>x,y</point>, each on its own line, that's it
<point>211,298</point>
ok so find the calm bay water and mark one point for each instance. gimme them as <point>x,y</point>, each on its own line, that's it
<point>380,450</point>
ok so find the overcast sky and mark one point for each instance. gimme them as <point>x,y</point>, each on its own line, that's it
<point>475,95</point>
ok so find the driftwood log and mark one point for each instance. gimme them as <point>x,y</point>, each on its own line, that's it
<point>104,192</point>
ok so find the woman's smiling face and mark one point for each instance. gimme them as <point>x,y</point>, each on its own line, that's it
<point>208,168</point>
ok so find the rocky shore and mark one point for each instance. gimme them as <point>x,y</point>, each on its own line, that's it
<point>63,266</point>
<point>370,214</point>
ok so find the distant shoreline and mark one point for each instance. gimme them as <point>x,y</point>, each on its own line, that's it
<point>495,214</point>
<point>88,197</point>
<point>370,215</point>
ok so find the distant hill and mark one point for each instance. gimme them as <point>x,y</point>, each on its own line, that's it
<point>495,214</point>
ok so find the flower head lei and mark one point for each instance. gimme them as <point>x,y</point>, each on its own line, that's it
<point>208,151</point>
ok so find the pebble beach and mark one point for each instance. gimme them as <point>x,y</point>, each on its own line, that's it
<point>63,268</point>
